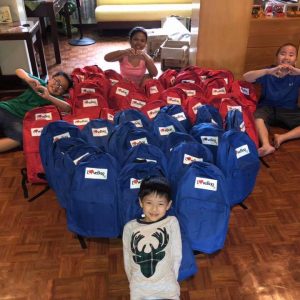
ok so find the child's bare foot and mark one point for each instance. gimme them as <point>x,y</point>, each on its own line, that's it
<point>277,140</point>
<point>265,150</point>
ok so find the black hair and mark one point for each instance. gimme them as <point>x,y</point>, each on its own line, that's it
<point>66,76</point>
<point>287,44</point>
<point>137,29</point>
<point>157,185</point>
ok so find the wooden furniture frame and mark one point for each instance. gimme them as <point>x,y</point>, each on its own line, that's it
<point>50,8</point>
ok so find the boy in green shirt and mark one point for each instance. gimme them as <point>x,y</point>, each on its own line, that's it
<point>39,93</point>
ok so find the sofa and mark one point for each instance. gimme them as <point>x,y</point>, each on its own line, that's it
<point>119,14</point>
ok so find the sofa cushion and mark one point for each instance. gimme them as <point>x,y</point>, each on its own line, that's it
<point>141,2</point>
<point>147,12</point>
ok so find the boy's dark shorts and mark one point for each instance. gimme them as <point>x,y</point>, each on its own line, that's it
<point>289,118</point>
<point>11,126</point>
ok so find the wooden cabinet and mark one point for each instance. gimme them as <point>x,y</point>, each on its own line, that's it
<point>266,35</point>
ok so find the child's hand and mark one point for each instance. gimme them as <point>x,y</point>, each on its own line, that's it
<point>281,71</point>
<point>43,92</point>
<point>291,70</point>
<point>33,83</point>
<point>130,51</point>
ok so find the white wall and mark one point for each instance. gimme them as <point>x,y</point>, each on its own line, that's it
<point>14,54</point>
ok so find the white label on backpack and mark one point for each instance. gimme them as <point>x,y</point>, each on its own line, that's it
<point>242,127</point>
<point>98,132</point>
<point>218,91</point>
<point>36,131</point>
<point>173,100</point>
<point>90,102</point>
<point>190,92</point>
<point>79,122</point>
<point>153,90</point>
<point>122,92</point>
<point>95,173</point>
<point>242,151</point>
<point>137,142</point>
<point>245,91</point>
<point>43,116</point>
<point>146,159</point>
<point>75,161</point>
<point>195,107</point>
<point>113,81</point>
<point>172,80</point>
<point>232,107</point>
<point>135,183</point>
<point>206,184</point>
<point>187,81</point>
<point>179,117</point>
<point>226,80</point>
<point>210,140</point>
<point>87,90</point>
<point>203,78</point>
<point>188,159</point>
<point>153,112</point>
<point>166,130</point>
<point>110,117</point>
<point>137,103</point>
<point>137,123</point>
<point>61,136</point>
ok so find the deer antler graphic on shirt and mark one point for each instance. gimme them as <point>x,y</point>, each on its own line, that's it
<point>149,261</point>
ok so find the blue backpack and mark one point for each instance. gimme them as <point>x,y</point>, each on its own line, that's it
<point>180,159</point>
<point>208,114</point>
<point>163,125</point>
<point>148,153</point>
<point>51,133</point>
<point>96,132</point>
<point>129,182</point>
<point>65,164</point>
<point>238,159</point>
<point>58,150</point>
<point>208,134</point>
<point>176,138</point>
<point>134,116</point>
<point>92,209</point>
<point>234,120</point>
<point>202,206</point>
<point>177,112</point>
<point>126,136</point>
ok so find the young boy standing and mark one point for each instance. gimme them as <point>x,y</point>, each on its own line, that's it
<point>279,100</point>
<point>152,245</point>
<point>39,93</point>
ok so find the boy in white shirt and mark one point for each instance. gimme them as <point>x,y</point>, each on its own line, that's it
<point>152,245</point>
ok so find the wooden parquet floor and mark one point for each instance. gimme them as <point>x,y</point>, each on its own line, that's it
<point>40,259</point>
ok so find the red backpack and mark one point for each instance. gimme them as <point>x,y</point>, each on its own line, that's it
<point>152,108</point>
<point>187,77</point>
<point>167,78</point>
<point>113,76</point>
<point>191,90</point>
<point>79,120</point>
<point>225,74</point>
<point>246,91</point>
<point>173,95</point>
<point>215,86</point>
<point>34,122</point>
<point>153,89</point>
<point>107,114</point>
<point>234,102</point>
<point>192,105</point>
<point>137,100</point>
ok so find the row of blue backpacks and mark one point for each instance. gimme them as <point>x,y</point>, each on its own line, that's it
<point>96,173</point>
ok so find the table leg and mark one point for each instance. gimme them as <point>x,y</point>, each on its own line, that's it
<point>33,62</point>
<point>54,36</point>
<point>40,47</point>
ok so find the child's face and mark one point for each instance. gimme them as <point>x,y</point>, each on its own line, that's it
<point>154,207</point>
<point>57,85</point>
<point>138,41</point>
<point>287,55</point>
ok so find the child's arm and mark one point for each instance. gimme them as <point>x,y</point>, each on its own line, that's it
<point>149,64</point>
<point>176,246</point>
<point>33,83</point>
<point>60,104</point>
<point>126,251</point>
<point>118,55</point>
